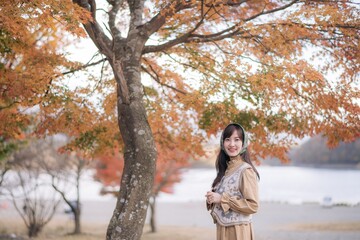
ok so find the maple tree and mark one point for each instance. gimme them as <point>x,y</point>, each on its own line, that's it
<point>30,39</point>
<point>283,69</point>
<point>221,61</point>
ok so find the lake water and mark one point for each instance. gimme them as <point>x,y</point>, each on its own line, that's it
<point>295,185</point>
<point>289,184</point>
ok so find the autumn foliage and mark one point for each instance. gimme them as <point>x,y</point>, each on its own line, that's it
<point>31,37</point>
<point>211,62</point>
<point>269,69</point>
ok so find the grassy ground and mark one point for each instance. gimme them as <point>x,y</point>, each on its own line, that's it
<point>191,221</point>
<point>61,230</point>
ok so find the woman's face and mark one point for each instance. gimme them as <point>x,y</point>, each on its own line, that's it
<point>233,144</point>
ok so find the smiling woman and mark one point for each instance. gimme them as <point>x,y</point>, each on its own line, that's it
<point>234,195</point>
<point>233,144</point>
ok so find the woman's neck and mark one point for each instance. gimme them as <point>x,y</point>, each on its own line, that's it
<point>235,159</point>
<point>233,164</point>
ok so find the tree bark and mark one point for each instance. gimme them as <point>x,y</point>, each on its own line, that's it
<point>139,158</point>
<point>77,228</point>
<point>34,230</point>
<point>140,152</point>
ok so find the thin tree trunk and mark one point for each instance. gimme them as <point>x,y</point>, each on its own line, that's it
<point>153,214</point>
<point>77,228</point>
<point>34,230</point>
<point>77,212</point>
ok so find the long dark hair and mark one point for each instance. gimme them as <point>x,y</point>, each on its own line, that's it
<point>223,159</point>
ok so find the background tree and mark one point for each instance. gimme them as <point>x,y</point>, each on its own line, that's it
<point>65,170</point>
<point>283,69</point>
<point>47,165</point>
<point>28,188</point>
<point>168,167</point>
<point>169,164</point>
<point>315,152</point>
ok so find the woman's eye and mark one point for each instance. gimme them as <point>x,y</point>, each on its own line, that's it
<point>227,139</point>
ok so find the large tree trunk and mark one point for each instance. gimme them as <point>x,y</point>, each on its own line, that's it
<point>139,155</point>
<point>124,56</point>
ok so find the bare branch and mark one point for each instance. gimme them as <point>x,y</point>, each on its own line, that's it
<point>69,72</point>
<point>311,26</point>
<point>234,30</point>
<point>241,56</point>
<point>82,67</point>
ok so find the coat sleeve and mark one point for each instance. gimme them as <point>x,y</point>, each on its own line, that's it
<point>249,189</point>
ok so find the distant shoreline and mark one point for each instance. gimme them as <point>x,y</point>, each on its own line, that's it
<point>200,164</point>
<point>318,166</point>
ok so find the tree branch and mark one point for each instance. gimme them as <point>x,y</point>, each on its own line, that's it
<point>103,43</point>
<point>82,67</point>
<point>169,44</point>
<point>72,71</point>
<point>230,3</point>
<point>116,34</point>
<point>226,33</point>
<point>311,26</point>
<point>196,68</point>
<point>262,13</point>
<point>168,11</point>
<point>234,30</point>
<point>9,105</point>
<point>157,79</point>
<point>171,171</point>
<point>241,56</point>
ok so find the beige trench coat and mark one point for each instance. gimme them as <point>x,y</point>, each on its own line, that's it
<point>248,205</point>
